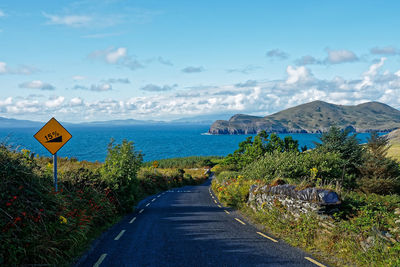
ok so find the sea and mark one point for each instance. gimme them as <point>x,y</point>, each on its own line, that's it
<point>154,141</point>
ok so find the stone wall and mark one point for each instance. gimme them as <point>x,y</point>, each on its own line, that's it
<point>297,202</point>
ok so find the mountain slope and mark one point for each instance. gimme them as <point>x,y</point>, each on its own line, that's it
<point>314,117</point>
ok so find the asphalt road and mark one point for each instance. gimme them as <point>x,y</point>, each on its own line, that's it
<point>189,227</point>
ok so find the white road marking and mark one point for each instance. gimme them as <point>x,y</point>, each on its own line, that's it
<point>227,212</point>
<point>240,221</point>
<point>134,218</point>
<point>153,200</point>
<point>219,206</point>
<point>148,204</point>
<point>100,260</point>
<point>141,210</point>
<point>315,262</point>
<point>215,201</point>
<point>119,235</point>
<point>270,238</point>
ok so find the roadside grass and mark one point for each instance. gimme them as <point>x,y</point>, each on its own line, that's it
<point>394,151</point>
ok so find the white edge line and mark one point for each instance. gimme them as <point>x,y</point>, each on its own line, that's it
<point>315,262</point>
<point>141,210</point>
<point>134,218</point>
<point>100,260</point>
<point>119,235</point>
<point>270,238</point>
<point>148,204</point>
<point>240,221</point>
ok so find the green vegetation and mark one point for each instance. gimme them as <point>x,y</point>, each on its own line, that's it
<point>364,231</point>
<point>40,226</point>
<point>187,162</point>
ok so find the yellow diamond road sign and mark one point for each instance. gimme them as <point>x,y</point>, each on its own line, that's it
<point>53,136</point>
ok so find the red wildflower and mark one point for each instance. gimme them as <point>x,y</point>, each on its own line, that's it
<point>23,213</point>
<point>15,197</point>
<point>8,204</point>
<point>17,219</point>
<point>41,210</point>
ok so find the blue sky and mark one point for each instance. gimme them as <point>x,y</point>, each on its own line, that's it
<point>114,59</point>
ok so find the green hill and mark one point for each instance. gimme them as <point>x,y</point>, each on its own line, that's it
<point>314,117</point>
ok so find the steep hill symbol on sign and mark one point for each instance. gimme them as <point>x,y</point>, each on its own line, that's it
<point>55,140</point>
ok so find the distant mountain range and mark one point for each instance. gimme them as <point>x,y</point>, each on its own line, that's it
<point>201,120</point>
<point>314,117</point>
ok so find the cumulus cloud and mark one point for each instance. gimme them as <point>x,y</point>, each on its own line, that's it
<point>117,56</point>
<point>387,51</point>
<point>277,53</point>
<point>55,102</point>
<point>76,101</point>
<point>257,97</point>
<point>68,20</point>
<point>340,56</point>
<point>299,74</point>
<point>37,84</point>
<point>20,70</point>
<point>101,87</point>
<point>191,69</point>
<point>156,88</point>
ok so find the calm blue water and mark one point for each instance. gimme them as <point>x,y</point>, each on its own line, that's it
<point>155,141</point>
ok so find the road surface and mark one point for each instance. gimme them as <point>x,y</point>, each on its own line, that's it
<point>189,227</point>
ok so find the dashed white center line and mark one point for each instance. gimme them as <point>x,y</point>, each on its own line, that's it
<point>270,238</point>
<point>119,235</point>
<point>100,260</point>
<point>227,212</point>
<point>215,201</point>
<point>219,206</point>
<point>141,210</point>
<point>148,204</point>
<point>133,219</point>
<point>153,200</point>
<point>315,262</point>
<point>240,221</point>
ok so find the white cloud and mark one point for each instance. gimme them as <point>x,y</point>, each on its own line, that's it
<point>258,97</point>
<point>21,70</point>
<point>277,53</point>
<point>55,102</point>
<point>340,56</point>
<point>191,69</point>
<point>76,101</point>
<point>37,84</point>
<point>101,87</point>
<point>114,56</point>
<point>387,50</point>
<point>68,20</point>
<point>2,14</point>
<point>118,56</point>
<point>297,74</point>
<point>370,74</point>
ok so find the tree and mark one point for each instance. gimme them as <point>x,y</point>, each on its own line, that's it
<point>379,174</point>
<point>346,145</point>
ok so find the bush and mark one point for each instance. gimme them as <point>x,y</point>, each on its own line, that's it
<point>296,166</point>
<point>120,173</point>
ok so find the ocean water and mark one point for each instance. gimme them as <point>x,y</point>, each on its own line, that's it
<point>155,141</point>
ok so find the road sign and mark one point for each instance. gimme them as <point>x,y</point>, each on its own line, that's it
<point>155,164</point>
<point>53,136</point>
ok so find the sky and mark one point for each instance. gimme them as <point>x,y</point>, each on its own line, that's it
<point>101,60</point>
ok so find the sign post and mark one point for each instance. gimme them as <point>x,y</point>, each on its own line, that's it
<point>53,136</point>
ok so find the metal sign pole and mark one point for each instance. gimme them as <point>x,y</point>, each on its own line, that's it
<point>55,171</point>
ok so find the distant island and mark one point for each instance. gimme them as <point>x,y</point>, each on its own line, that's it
<point>314,117</point>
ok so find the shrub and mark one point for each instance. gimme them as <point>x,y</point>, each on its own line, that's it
<point>120,173</point>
